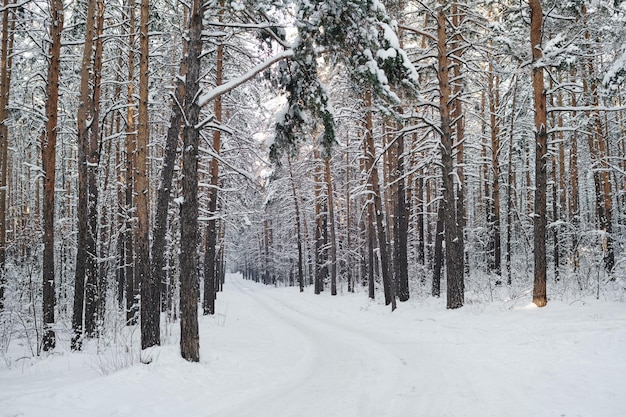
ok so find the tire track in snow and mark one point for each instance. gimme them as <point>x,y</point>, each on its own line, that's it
<point>349,374</point>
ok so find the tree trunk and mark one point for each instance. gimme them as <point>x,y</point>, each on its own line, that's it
<point>438,256</point>
<point>48,159</point>
<point>401,229</point>
<point>541,154</point>
<point>6,53</point>
<point>377,210</point>
<point>159,231</point>
<point>150,291</point>
<point>494,221</point>
<point>92,152</point>
<point>320,270</point>
<point>132,293</point>
<point>421,236</point>
<point>454,239</point>
<point>457,115</point>
<point>298,232</point>
<point>189,291</point>
<point>510,185</point>
<point>331,226</point>
<point>85,279</point>
<point>210,258</point>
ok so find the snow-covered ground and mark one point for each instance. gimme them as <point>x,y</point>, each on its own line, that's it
<point>277,353</point>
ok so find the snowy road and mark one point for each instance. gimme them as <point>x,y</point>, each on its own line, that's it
<point>277,353</point>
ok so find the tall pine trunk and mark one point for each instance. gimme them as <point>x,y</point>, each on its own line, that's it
<point>132,293</point>
<point>331,226</point>
<point>211,259</point>
<point>48,159</point>
<point>401,228</point>
<point>85,279</point>
<point>376,210</point>
<point>453,238</point>
<point>159,231</point>
<point>6,53</point>
<point>298,231</point>
<point>541,153</point>
<point>150,291</point>
<point>189,291</point>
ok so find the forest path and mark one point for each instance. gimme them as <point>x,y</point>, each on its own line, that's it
<point>358,359</point>
<point>274,352</point>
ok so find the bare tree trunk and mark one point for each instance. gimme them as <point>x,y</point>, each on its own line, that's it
<point>454,239</point>
<point>6,53</point>
<point>541,154</point>
<point>189,290</point>
<point>92,152</point>
<point>85,281</point>
<point>574,215</point>
<point>132,293</point>
<point>371,288</point>
<point>298,232</point>
<point>457,115</point>
<point>48,159</point>
<point>159,231</point>
<point>438,256</point>
<point>331,226</point>
<point>150,291</point>
<point>510,185</point>
<point>421,247</point>
<point>401,229</point>
<point>377,209</point>
<point>348,251</point>
<point>494,221</point>
<point>210,258</point>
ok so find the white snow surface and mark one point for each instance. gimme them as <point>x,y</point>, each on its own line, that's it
<point>277,353</point>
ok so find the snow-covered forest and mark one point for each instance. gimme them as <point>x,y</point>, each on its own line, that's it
<point>329,179</point>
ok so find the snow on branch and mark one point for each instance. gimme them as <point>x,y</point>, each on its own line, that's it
<point>206,98</point>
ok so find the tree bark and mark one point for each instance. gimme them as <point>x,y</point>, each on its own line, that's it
<point>298,231</point>
<point>6,53</point>
<point>438,256</point>
<point>159,231</point>
<point>189,291</point>
<point>376,210</point>
<point>85,279</point>
<point>210,258</point>
<point>401,229</point>
<point>541,151</point>
<point>320,269</point>
<point>132,293</point>
<point>454,239</point>
<point>331,226</point>
<point>494,221</point>
<point>510,185</point>
<point>150,291</point>
<point>48,159</point>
